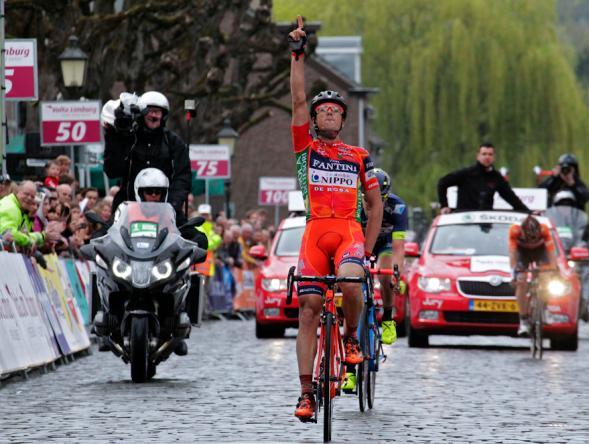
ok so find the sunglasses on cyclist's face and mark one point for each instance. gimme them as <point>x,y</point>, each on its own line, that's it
<point>152,191</point>
<point>329,108</point>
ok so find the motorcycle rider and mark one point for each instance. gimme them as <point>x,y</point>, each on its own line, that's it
<point>566,176</point>
<point>571,224</point>
<point>136,138</point>
<point>152,185</point>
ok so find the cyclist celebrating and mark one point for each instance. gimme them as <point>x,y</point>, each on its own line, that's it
<point>528,242</point>
<point>331,175</point>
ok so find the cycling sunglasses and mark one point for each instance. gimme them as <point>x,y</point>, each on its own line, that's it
<point>329,107</point>
<point>152,191</point>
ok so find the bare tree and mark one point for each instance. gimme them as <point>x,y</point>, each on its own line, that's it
<point>225,53</point>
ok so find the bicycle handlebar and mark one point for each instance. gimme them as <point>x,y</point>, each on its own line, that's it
<point>329,280</point>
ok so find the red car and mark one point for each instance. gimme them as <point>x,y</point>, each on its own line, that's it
<point>272,314</point>
<point>461,283</point>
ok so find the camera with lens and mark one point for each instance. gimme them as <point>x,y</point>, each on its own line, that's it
<point>565,169</point>
<point>128,114</point>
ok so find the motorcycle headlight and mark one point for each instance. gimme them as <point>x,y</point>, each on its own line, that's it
<point>163,270</point>
<point>185,264</point>
<point>100,262</point>
<point>121,269</point>
<point>557,288</point>
<point>433,284</point>
<point>274,284</point>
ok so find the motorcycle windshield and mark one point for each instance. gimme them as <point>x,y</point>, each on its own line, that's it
<point>147,226</point>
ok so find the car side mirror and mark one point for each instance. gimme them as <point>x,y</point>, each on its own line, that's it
<point>412,249</point>
<point>258,252</point>
<point>579,254</point>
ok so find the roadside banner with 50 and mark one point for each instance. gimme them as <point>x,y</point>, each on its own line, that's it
<point>70,123</point>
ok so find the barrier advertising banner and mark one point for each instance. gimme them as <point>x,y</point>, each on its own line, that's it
<point>40,316</point>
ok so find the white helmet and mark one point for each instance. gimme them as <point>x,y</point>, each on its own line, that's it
<point>153,98</point>
<point>564,195</point>
<point>151,178</point>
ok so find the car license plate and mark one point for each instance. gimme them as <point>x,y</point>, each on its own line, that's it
<point>486,305</point>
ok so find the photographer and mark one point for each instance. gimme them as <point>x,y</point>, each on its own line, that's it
<point>136,138</point>
<point>565,176</point>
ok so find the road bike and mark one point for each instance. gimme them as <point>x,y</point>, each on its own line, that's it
<point>369,335</point>
<point>330,369</point>
<point>538,279</point>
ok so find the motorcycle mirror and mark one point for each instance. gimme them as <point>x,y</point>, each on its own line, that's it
<point>199,256</point>
<point>87,252</point>
<point>94,218</point>
<point>194,222</point>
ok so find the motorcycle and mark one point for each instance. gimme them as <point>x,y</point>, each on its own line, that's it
<point>143,279</point>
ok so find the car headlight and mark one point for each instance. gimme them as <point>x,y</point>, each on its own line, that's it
<point>557,287</point>
<point>163,270</point>
<point>433,284</point>
<point>100,262</point>
<point>572,264</point>
<point>121,269</point>
<point>185,264</point>
<point>274,284</point>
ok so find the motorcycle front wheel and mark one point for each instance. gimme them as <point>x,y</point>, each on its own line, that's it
<point>139,342</point>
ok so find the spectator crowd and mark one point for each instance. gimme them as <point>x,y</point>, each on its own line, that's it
<point>48,215</point>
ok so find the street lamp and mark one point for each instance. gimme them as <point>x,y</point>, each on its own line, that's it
<point>73,64</point>
<point>73,70</point>
<point>228,136</point>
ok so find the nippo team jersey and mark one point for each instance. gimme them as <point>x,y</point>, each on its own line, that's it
<point>331,176</point>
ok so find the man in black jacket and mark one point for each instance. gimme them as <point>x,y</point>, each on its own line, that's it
<point>478,184</point>
<point>565,176</point>
<point>138,139</point>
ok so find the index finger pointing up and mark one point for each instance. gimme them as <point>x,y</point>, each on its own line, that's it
<point>300,22</point>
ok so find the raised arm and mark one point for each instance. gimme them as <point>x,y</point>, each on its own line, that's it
<point>297,41</point>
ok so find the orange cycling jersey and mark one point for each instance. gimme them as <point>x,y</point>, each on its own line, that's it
<point>515,233</point>
<point>331,175</point>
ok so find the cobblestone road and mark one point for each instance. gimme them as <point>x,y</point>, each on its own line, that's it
<point>232,387</point>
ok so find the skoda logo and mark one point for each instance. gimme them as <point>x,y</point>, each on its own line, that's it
<point>495,281</point>
<point>467,218</point>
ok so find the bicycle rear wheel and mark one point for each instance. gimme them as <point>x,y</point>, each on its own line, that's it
<point>362,369</point>
<point>374,363</point>
<point>326,395</point>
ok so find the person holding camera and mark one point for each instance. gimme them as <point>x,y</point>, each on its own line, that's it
<point>566,176</point>
<point>136,138</point>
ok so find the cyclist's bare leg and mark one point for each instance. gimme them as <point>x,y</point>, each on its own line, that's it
<point>352,297</point>
<point>521,290</point>
<point>309,311</point>
<point>385,261</point>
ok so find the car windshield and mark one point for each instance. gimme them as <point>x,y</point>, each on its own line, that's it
<point>289,242</point>
<point>471,240</point>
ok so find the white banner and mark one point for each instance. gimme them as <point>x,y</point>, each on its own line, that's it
<point>533,198</point>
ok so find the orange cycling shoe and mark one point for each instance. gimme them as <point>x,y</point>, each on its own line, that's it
<point>305,407</point>
<point>353,353</point>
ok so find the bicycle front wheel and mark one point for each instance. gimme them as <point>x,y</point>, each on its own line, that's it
<point>362,370</point>
<point>374,363</point>
<point>539,327</point>
<point>327,400</point>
